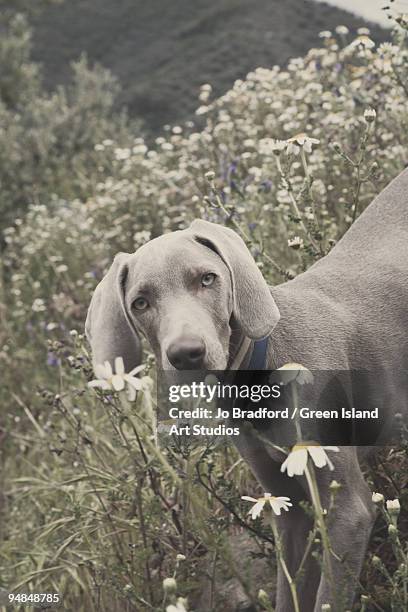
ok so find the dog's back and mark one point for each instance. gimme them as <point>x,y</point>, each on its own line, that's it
<point>349,311</point>
<point>358,294</point>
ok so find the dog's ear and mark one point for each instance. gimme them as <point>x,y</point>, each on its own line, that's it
<point>108,327</point>
<point>253,305</point>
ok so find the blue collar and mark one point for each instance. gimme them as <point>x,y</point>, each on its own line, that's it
<point>258,357</point>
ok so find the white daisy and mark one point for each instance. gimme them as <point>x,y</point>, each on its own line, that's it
<point>393,506</point>
<point>377,498</point>
<point>299,141</point>
<point>362,41</point>
<point>295,372</point>
<point>370,115</point>
<point>118,379</point>
<point>276,503</point>
<point>295,243</point>
<point>384,64</point>
<point>342,29</point>
<point>296,462</point>
<point>179,607</point>
<point>278,145</point>
<point>169,585</point>
<point>388,48</point>
<point>268,146</point>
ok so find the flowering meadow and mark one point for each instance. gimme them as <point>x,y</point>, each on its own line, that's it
<point>91,506</point>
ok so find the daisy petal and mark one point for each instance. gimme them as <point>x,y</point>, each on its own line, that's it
<point>296,462</point>
<point>299,462</point>
<point>108,369</point>
<point>256,510</point>
<point>247,498</point>
<point>318,455</point>
<point>101,384</point>
<point>119,366</point>
<point>117,382</point>
<point>305,377</point>
<point>136,370</point>
<point>136,383</point>
<point>100,371</point>
<point>285,464</point>
<point>131,393</point>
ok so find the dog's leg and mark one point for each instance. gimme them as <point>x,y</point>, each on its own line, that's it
<point>349,528</point>
<point>294,528</point>
<point>349,536</point>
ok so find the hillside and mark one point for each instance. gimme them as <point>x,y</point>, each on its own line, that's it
<point>162,51</point>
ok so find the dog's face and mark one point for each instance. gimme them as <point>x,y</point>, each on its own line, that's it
<point>180,291</point>
<point>178,294</point>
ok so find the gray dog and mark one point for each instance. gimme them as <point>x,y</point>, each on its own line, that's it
<point>197,296</point>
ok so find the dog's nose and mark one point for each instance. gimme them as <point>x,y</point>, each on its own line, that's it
<point>186,353</point>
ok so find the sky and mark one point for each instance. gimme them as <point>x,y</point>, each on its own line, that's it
<point>370,9</point>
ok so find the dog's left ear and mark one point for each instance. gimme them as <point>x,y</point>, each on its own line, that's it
<point>108,327</point>
<point>253,305</point>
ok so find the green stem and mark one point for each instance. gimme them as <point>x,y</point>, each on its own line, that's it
<point>295,207</point>
<point>310,540</point>
<point>281,560</point>
<point>309,181</point>
<point>328,551</point>
<point>295,398</point>
<point>358,165</point>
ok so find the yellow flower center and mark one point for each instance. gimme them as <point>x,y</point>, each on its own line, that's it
<point>300,136</point>
<point>305,444</point>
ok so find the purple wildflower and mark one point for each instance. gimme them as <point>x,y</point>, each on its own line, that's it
<point>52,359</point>
<point>266,185</point>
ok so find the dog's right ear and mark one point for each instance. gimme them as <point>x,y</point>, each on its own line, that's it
<point>253,305</point>
<point>108,328</point>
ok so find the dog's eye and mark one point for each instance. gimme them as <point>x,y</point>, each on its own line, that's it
<point>140,303</point>
<point>208,279</point>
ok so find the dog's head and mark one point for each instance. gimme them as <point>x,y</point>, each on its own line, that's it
<point>183,292</point>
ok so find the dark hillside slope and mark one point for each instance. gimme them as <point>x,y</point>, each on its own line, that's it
<point>162,50</point>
